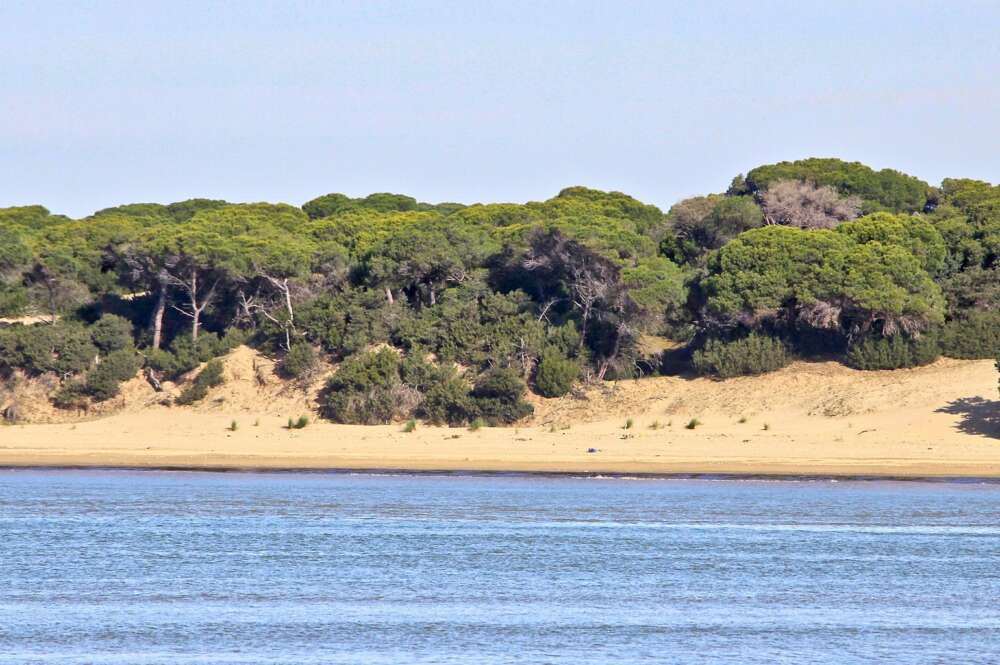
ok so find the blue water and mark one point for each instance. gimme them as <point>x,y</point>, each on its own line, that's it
<point>159,567</point>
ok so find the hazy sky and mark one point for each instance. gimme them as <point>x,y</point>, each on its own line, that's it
<point>105,102</point>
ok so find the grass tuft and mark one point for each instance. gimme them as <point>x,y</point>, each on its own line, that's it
<point>476,424</point>
<point>233,426</point>
<point>694,422</point>
<point>410,425</point>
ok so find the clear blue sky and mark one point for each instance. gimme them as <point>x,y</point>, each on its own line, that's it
<point>109,102</point>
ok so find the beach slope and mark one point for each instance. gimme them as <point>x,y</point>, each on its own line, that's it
<point>807,419</point>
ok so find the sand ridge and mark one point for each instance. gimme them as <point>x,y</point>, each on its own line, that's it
<point>807,419</point>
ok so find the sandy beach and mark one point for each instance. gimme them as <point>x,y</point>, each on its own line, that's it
<point>808,419</point>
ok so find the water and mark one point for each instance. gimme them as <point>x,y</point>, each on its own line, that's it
<point>157,567</point>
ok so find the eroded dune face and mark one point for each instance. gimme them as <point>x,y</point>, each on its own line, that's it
<point>809,418</point>
<point>803,389</point>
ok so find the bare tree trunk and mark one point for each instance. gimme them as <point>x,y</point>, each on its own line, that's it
<point>157,322</point>
<point>286,292</point>
<point>195,311</point>
<point>388,295</point>
<point>196,306</point>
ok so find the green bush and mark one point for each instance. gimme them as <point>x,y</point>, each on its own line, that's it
<point>299,362</point>
<point>183,355</point>
<point>895,352</point>
<point>754,354</point>
<point>104,380</point>
<point>498,397</point>
<point>365,389</point>
<point>63,348</point>
<point>70,395</point>
<point>555,375</point>
<point>111,333</point>
<point>977,336</point>
<point>209,377</point>
<point>448,402</point>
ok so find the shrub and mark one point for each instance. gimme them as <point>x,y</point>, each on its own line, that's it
<point>299,362</point>
<point>555,375</point>
<point>184,355</point>
<point>477,424</point>
<point>895,352</point>
<point>977,336</point>
<point>104,380</point>
<point>410,426</point>
<point>63,348</point>
<point>70,395</point>
<point>755,354</point>
<point>498,397</point>
<point>365,389</point>
<point>111,333</point>
<point>694,422</point>
<point>448,402</point>
<point>209,377</point>
<point>299,423</point>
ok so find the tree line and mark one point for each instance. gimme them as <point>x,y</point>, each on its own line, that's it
<point>450,312</point>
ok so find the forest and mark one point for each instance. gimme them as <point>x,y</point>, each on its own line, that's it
<point>450,312</point>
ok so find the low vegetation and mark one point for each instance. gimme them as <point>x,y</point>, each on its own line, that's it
<point>209,377</point>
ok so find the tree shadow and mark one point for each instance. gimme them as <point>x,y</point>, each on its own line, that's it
<point>979,416</point>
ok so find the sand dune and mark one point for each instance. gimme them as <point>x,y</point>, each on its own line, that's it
<point>810,418</point>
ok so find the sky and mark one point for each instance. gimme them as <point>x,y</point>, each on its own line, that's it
<point>103,103</point>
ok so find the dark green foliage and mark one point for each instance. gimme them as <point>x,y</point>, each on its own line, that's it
<point>975,336</point>
<point>555,375</point>
<point>895,352</point>
<point>474,326</point>
<point>344,323</point>
<point>754,354</point>
<point>701,224</point>
<point>367,389</point>
<point>63,348</point>
<point>880,190</point>
<point>71,395</point>
<point>448,402</point>
<point>972,289</point>
<point>118,366</point>
<point>111,333</point>
<point>498,397</point>
<point>209,377</point>
<point>184,355</point>
<point>299,362</point>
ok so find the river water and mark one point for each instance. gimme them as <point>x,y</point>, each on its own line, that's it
<point>136,568</point>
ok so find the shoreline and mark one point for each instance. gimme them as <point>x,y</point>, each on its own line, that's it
<point>474,473</point>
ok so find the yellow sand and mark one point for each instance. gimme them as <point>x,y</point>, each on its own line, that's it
<point>810,418</point>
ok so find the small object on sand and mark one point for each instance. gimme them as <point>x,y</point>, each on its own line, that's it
<point>591,450</point>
